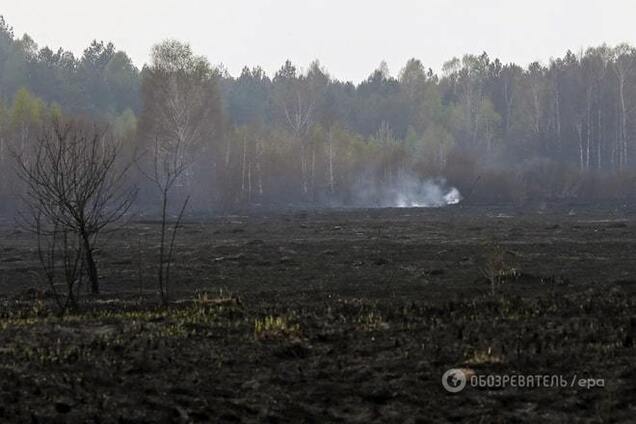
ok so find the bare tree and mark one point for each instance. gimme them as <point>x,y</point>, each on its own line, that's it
<point>332,179</point>
<point>181,116</point>
<point>74,185</point>
<point>298,116</point>
<point>58,251</point>
<point>169,164</point>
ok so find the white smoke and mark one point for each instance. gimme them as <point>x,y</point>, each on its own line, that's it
<point>408,192</point>
<point>425,194</point>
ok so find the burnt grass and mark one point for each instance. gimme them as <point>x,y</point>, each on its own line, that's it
<point>332,316</point>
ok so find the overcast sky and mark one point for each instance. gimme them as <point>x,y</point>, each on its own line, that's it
<point>350,38</point>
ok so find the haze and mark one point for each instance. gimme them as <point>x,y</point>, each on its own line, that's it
<point>349,38</point>
<point>328,231</point>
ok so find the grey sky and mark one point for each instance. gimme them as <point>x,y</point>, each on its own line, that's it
<point>350,37</point>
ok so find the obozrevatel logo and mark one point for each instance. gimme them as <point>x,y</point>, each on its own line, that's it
<point>454,380</point>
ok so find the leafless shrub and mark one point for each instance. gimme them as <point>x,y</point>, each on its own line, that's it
<point>55,245</point>
<point>496,267</point>
<point>75,189</point>
<point>169,163</point>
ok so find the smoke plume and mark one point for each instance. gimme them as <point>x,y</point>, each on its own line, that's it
<point>407,192</point>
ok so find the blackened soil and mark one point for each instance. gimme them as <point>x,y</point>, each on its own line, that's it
<point>333,316</point>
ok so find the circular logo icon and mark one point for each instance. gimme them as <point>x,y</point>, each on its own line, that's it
<point>454,380</point>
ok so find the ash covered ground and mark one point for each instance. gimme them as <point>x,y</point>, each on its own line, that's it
<point>333,316</point>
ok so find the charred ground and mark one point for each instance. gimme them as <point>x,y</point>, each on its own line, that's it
<point>325,316</point>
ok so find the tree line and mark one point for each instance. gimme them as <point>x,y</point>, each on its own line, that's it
<point>561,130</point>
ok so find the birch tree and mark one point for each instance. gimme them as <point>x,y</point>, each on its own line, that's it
<point>180,119</point>
<point>296,106</point>
<point>623,62</point>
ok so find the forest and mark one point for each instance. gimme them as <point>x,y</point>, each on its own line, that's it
<point>501,133</point>
<point>179,244</point>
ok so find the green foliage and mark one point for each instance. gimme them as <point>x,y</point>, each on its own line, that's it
<point>3,116</point>
<point>306,129</point>
<point>125,125</point>
<point>101,82</point>
<point>55,111</point>
<point>26,109</point>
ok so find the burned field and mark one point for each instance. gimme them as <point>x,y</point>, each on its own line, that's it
<point>333,316</point>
